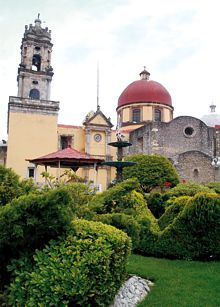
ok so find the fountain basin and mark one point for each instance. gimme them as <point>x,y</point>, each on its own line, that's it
<point>119,164</point>
<point>120,144</point>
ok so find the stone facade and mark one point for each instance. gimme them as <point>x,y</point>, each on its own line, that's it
<point>187,141</point>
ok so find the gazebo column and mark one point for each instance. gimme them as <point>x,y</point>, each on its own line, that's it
<point>36,173</point>
<point>59,171</point>
<point>88,138</point>
<point>95,174</point>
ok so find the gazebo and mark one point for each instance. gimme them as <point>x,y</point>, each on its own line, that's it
<point>68,158</point>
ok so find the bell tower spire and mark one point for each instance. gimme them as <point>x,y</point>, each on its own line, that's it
<point>35,71</point>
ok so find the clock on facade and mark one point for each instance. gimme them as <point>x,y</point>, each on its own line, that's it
<point>97,137</point>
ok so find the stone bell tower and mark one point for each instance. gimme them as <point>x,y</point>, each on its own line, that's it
<point>32,116</point>
<point>35,71</point>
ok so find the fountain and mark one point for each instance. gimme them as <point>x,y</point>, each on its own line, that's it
<point>119,164</point>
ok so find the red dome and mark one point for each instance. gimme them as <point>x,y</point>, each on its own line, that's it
<point>144,91</point>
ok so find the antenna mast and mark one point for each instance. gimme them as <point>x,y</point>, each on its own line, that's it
<point>98,106</point>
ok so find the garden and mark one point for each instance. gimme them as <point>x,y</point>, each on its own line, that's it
<point>66,245</point>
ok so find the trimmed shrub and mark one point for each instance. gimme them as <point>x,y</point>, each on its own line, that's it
<point>156,204</point>
<point>86,269</point>
<point>148,235</point>
<point>80,194</point>
<point>29,222</point>
<point>123,222</point>
<point>215,186</point>
<point>187,189</point>
<point>123,197</point>
<point>175,206</point>
<point>151,171</point>
<point>195,232</point>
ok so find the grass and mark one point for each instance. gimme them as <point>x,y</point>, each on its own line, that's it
<point>178,282</point>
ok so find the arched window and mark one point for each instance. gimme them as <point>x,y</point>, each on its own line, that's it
<point>136,115</point>
<point>157,115</point>
<point>34,94</point>
<point>36,62</point>
<point>195,173</point>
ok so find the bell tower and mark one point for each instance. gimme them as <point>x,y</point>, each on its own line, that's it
<point>35,71</point>
<point>32,116</point>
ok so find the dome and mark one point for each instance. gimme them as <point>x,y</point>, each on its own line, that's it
<point>212,119</point>
<point>144,90</point>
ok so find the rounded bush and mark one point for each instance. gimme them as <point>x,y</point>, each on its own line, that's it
<point>87,268</point>
<point>123,222</point>
<point>151,171</point>
<point>187,189</point>
<point>29,222</point>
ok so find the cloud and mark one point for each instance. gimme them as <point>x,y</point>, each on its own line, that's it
<point>176,40</point>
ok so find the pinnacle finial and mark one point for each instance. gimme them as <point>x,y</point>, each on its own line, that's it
<point>38,21</point>
<point>144,74</point>
<point>212,107</point>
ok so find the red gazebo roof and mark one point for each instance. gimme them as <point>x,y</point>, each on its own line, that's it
<point>66,158</point>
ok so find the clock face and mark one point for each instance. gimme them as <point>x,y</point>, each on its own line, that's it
<point>97,137</point>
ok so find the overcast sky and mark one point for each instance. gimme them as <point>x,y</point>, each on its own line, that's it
<point>177,41</point>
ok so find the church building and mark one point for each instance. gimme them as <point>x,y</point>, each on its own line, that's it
<point>145,118</point>
<point>145,109</point>
<point>33,128</point>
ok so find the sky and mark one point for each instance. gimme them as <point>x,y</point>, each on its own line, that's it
<point>177,41</point>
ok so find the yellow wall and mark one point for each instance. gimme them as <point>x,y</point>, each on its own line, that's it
<point>147,113</point>
<point>167,115</point>
<point>98,148</point>
<point>126,115</point>
<point>34,135</point>
<point>30,136</point>
<point>76,132</point>
<point>98,120</point>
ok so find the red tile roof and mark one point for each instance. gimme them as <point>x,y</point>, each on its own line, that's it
<point>67,157</point>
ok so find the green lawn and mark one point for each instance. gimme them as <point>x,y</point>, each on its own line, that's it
<point>178,282</point>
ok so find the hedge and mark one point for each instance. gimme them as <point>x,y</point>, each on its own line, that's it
<point>124,197</point>
<point>87,268</point>
<point>187,189</point>
<point>195,233</point>
<point>123,222</point>
<point>156,203</point>
<point>29,222</point>
<point>174,207</point>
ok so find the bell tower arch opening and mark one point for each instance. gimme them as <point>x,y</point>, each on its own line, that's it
<point>34,94</point>
<point>36,62</point>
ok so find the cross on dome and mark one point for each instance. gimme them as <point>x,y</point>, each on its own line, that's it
<point>144,74</point>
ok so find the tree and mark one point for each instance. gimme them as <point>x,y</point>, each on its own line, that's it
<point>11,186</point>
<point>151,171</point>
